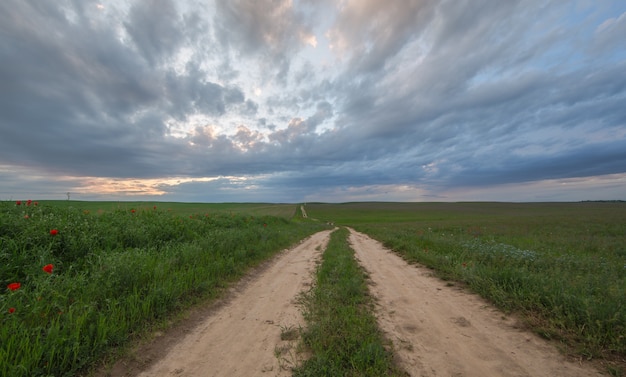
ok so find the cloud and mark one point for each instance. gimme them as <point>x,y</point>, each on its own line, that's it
<point>369,32</point>
<point>282,99</point>
<point>608,36</point>
<point>155,28</point>
<point>268,30</point>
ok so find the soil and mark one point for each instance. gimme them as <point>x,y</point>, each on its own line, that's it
<point>436,329</point>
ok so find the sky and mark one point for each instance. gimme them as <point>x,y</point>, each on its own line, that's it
<point>290,101</point>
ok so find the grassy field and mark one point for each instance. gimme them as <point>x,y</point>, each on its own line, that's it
<point>184,209</point>
<point>80,279</point>
<point>562,266</point>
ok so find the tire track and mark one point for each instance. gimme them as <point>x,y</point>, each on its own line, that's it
<point>243,337</point>
<point>439,330</point>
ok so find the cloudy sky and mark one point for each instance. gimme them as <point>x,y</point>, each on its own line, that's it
<point>313,100</point>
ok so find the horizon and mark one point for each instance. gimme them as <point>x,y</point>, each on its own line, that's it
<point>318,202</point>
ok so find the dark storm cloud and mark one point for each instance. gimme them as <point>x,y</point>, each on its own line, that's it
<point>583,161</point>
<point>190,93</point>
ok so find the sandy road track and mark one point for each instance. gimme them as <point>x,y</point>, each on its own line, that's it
<point>436,329</point>
<point>243,336</point>
<point>439,330</point>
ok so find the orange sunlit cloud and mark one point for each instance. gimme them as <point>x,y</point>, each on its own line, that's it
<point>132,186</point>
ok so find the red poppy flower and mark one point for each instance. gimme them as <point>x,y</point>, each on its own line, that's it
<point>18,203</point>
<point>14,286</point>
<point>48,268</point>
<point>36,203</point>
<point>26,216</point>
<point>28,202</point>
<point>11,310</point>
<point>54,232</point>
<point>132,211</point>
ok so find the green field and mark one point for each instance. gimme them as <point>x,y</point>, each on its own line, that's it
<point>561,266</point>
<point>259,209</point>
<point>81,279</point>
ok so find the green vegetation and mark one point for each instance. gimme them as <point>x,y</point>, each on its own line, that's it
<point>562,266</point>
<point>77,281</point>
<point>342,334</point>
<point>184,209</point>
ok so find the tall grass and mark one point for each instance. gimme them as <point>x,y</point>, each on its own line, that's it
<point>109,276</point>
<point>560,265</point>
<point>341,332</point>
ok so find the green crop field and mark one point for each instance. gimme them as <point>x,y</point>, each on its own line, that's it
<point>561,266</point>
<point>79,279</point>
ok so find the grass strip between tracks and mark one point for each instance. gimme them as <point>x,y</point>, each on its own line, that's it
<point>341,332</point>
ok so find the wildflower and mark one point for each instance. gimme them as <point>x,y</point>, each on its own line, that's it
<point>48,268</point>
<point>11,310</point>
<point>464,264</point>
<point>132,211</point>
<point>18,203</point>
<point>154,207</point>
<point>14,286</point>
<point>26,216</point>
<point>28,202</point>
<point>54,232</point>
<point>36,204</point>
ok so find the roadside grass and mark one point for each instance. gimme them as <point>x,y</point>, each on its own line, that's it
<point>341,333</point>
<point>75,284</point>
<point>562,266</point>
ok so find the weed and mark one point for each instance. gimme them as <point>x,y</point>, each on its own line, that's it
<point>342,334</point>
<point>289,333</point>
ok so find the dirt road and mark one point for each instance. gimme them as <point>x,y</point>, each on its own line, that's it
<point>436,329</point>
<point>439,330</point>
<point>243,337</point>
